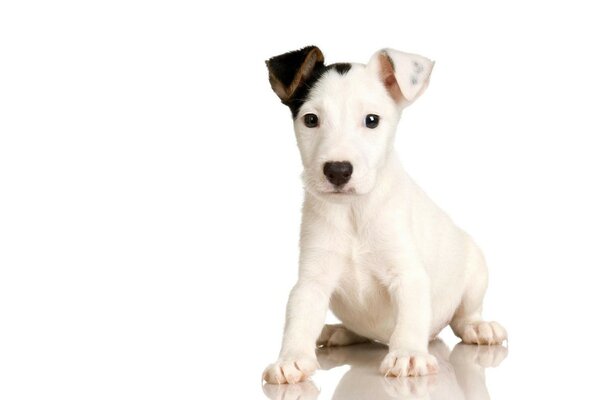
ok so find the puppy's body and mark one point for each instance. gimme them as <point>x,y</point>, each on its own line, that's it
<point>374,248</point>
<point>366,235</point>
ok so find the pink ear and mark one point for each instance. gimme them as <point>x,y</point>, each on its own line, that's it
<point>404,75</point>
<point>387,76</point>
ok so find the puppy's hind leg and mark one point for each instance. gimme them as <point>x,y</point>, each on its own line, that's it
<point>338,335</point>
<point>467,322</point>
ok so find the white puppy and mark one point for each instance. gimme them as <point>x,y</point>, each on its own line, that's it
<point>374,248</point>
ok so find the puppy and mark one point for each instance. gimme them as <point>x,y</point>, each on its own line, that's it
<point>374,248</point>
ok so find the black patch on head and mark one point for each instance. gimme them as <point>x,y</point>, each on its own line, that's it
<point>341,68</point>
<point>301,94</point>
<point>285,67</point>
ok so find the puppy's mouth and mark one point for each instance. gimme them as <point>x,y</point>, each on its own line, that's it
<point>340,191</point>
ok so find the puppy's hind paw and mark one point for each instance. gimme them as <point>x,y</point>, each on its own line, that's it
<point>338,335</point>
<point>484,333</point>
<point>290,370</point>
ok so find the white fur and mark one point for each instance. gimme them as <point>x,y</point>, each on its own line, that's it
<point>388,262</point>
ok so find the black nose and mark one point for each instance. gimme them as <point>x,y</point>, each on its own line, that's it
<point>338,172</point>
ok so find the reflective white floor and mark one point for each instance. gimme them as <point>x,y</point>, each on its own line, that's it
<point>461,376</point>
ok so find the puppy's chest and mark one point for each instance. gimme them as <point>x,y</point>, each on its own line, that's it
<point>366,240</point>
<point>361,275</point>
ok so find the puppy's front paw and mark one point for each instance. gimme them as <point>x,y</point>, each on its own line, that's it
<point>290,370</point>
<point>408,363</point>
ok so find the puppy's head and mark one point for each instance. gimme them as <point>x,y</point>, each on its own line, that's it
<point>345,115</point>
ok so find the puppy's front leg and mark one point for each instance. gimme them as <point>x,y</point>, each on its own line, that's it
<point>306,310</point>
<point>408,354</point>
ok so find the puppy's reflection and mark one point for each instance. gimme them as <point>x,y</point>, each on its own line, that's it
<point>461,376</point>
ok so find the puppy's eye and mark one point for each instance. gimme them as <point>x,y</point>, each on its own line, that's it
<point>311,120</point>
<point>371,121</point>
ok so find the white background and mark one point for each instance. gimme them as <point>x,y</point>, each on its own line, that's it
<point>150,193</point>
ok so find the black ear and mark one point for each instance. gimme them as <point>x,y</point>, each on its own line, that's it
<point>287,72</point>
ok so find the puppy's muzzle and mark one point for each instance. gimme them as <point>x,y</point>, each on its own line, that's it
<point>338,172</point>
